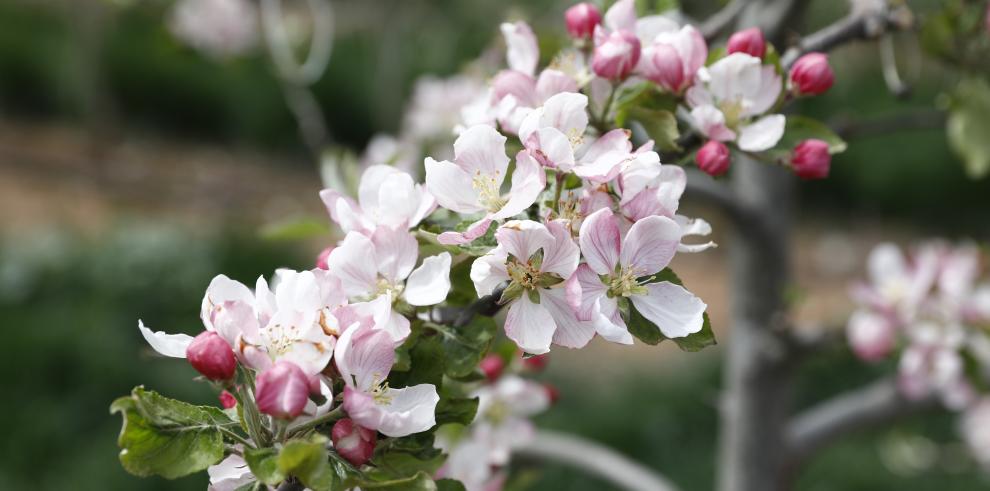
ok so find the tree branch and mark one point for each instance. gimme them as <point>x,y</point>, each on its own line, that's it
<point>713,26</point>
<point>596,459</point>
<point>817,427</point>
<point>918,119</point>
<point>866,25</point>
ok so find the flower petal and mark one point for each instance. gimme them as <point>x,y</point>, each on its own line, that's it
<point>354,262</point>
<point>430,282</point>
<point>528,181</point>
<point>552,82</point>
<point>621,16</point>
<point>395,252</point>
<point>488,271</point>
<point>452,186</point>
<point>571,332</point>
<point>522,53</point>
<point>711,123</point>
<point>676,311</point>
<point>530,326</point>
<point>650,244</point>
<point>480,149</point>
<point>762,134</point>
<point>561,256</point>
<point>599,239</point>
<point>522,238</point>
<point>364,356</point>
<point>171,345</point>
<point>473,231</point>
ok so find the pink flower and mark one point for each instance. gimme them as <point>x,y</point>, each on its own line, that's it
<point>581,20</point>
<point>871,335</point>
<point>536,363</point>
<point>471,184</point>
<point>713,158</point>
<point>364,357</point>
<point>749,41</point>
<point>615,268</point>
<point>811,159</point>
<point>536,260</point>
<point>673,58</point>
<point>492,366</point>
<point>218,28</point>
<point>352,442</point>
<point>282,390</point>
<point>811,74</point>
<point>386,196</point>
<point>729,98</point>
<point>227,400</point>
<point>321,259</point>
<point>211,356</point>
<point>616,54</point>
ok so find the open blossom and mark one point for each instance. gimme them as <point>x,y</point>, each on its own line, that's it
<point>471,184</point>
<point>381,266</point>
<point>364,357</point>
<point>386,196</point>
<point>620,268</point>
<point>871,335</point>
<point>536,260</point>
<point>729,99</point>
<point>219,28</point>
<point>673,57</point>
<point>896,286</point>
<point>231,474</point>
<point>554,135</point>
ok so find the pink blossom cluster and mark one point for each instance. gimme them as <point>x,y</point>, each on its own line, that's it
<point>218,28</point>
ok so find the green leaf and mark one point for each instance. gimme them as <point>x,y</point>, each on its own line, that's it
<point>649,333</point>
<point>400,465</point>
<point>307,460</point>
<point>801,128</point>
<point>419,482</point>
<point>699,340</point>
<point>296,229</point>
<point>660,125</point>
<point>168,438</point>
<point>425,364</point>
<point>968,126</point>
<point>263,463</point>
<point>640,326</point>
<point>456,410</point>
<point>463,347</point>
<point>449,485</point>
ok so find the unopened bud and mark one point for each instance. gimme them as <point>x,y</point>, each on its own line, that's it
<point>353,442</point>
<point>492,366</point>
<point>713,158</point>
<point>552,393</point>
<point>536,363</point>
<point>616,54</point>
<point>282,390</point>
<point>811,74</point>
<point>749,41</point>
<point>581,20</point>
<point>227,400</point>
<point>811,159</point>
<point>211,356</point>
<point>321,259</point>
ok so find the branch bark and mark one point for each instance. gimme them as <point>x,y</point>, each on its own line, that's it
<point>722,20</point>
<point>866,25</point>
<point>596,459</point>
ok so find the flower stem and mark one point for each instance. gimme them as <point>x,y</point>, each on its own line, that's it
<point>330,417</point>
<point>558,189</point>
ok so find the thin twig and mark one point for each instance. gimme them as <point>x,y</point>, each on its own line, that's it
<point>721,20</point>
<point>911,120</point>
<point>867,25</point>
<point>596,459</point>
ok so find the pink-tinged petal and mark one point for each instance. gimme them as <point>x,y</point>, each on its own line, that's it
<point>452,186</point>
<point>694,50</point>
<point>768,91</point>
<point>571,332</point>
<point>364,357</point>
<point>594,200</point>
<point>568,112</point>
<point>711,123</point>
<point>398,327</point>
<point>522,53</point>
<point>488,271</point>
<point>615,141</point>
<point>371,182</point>
<point>480,150</point>
<point>608,322</point>
<point>692,227</point>
<point>530,326</point>
<point>551,148</point>
<point>310,357</point>
<point>604,168</point>
<point>430,282</point>
<point>762,134</point>
<point>649,27</point>
<point>234,319</point>
<point>282,390</point>
<point>697,95</point>
<point>355,264</point>
<point>344,211</point>
<point>662,64</point>
<point>517,84</point>
<point>676,311</point>
<point>562,255</point>
<point>171,345</point>
<point>406,411</point>
<point>735,77</point>
<point>592,289</point>
<point>222,290</point>
<point>645,204</point>
<point>400,200</point>
<point>331,289</point>
<point>528,181</point>
<point>599,239</point>
<point>297,290</point>
<point>552,82</point>
<point>473,231</point>
<point>650,244</point>
<point>361,408</point>
<point>642,171</point>
<point>871,336</point>
<point>522,238</point>
<point>395,252</point>
<point>621,15</point>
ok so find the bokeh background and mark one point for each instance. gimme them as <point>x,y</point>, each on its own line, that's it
<point>133,169</point>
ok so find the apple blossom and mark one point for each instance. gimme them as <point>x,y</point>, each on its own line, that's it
<point>621,268</point>
<point>381,266</point>
<point>282,390</point>
<point>749,41</point>
<point>581,20</point>
<point>219,28</point>
<point>211,356</point>
<point>811,74</point>
<point>364,357</point>
<point>504,409</point>
<point>352,442</point>
<point>872,336</point>
<point>231,474</point>
<point>171,345</point>
<point>729,98</point>
<point>471,184</point>
<point>713,158</point>
<point>536,260</point>
<point>386,196</point>
<point>321,259</point>
<point>492,365</point>
<point>616,54</point>
<point>811,159</point>
<point>672,58</point>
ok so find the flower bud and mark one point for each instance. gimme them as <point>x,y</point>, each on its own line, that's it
<point>870,335</point>
<point>536,363</point>
<point>811,159</point>
<point>581,20</point>
<point>211,356</point>
<point>321,259</point>
<point>749,41</point>
<point>616,54</point>
<point>227,400</point>
<point>553,394</point>
<point>713,158</point>
<point>811,74</point>
<point>667,68</point>
<point>492,366</point>
<point>353,442</point>
<point>282,390</point>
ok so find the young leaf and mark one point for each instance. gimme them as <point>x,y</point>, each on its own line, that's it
<point>419,482</point>
<point>263,463</point>
<point>168,438</point>
<point>456,410</point>
<point>968,126</point>
<point>464,347</point>
<point>640,326</point>
<point>449,485</point>
<point>425,362</point>
<point>660,125</point>
<point>307,460</point>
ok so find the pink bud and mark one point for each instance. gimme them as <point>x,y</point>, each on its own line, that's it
<point>811,74</point>
<point>536,363</point>
<point>492,366</point>
<point>581,20</point>
<point>211,356</point>
<point>353,442</point>
<point>668,68</point>
<point>282,390</point>
<point>616,54</point>
<point>227,400</point>
<point>552,393</point>
<point>811,159</point>
<point>749,41</point>
<point>713,158</point>
<point>870,335</point>
<point>321,259</point>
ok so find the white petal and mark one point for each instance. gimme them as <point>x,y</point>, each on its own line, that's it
<point>354,263</point>
<point>395,252</point>
<point>676,311</point>
<point>599,239</point>
<point>522,52</point>
<point>650,244</point>
<point>171,345</point>
<point>528,181</point>
<point>522,238</point>
<point>530,325</point>
<point>364,356</point>
<point>430,282</point>
<point>562,255</point>
<point>480,149</point>
<point>451,186</point>
<point>571,332</point>
<point>488,271</point>
<point>621,15</point>
<point>409,410</point>
<point>762,134</point>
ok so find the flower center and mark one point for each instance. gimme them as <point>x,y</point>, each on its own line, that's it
<point>487,187</point>
<point>385,286</point>
<point>525,274</point>
<point>624,283</point>
<point>732,111</point>
<point>379,392</point>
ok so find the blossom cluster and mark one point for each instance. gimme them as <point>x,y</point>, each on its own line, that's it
<point>218,28</point>
<point>931,308</point>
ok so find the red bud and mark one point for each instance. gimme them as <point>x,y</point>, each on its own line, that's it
<point>211,356</point>
<point>282,390</point>
<point>811,159</point>
<point>811,74</point>
<point>492,366</point>
<point>713,158</point>
<point>749,41</point>
<point>353,442</point>
<point>581,20</point>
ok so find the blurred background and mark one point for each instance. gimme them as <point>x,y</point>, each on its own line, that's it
<point>134,168</point>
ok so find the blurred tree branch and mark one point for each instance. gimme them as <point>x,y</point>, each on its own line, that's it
<point>867,24</point>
